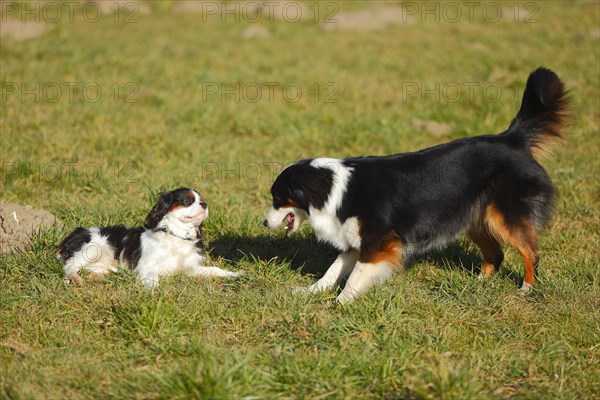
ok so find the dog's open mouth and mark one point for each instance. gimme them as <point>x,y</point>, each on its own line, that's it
<point>289,220</point>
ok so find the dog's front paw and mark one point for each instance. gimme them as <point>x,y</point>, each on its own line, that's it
<point>300,290</point>
<point>525,289</point>
<point>314,288</point>
<point>346,297</point>
<point>149,282</point>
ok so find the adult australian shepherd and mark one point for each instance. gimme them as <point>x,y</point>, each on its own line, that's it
<point>379,211</point>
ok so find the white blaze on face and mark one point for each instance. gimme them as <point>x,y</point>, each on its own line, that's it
<point>192,213</point>
<point>275,217</point>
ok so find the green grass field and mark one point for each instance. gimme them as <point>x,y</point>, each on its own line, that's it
<point>168,116</point>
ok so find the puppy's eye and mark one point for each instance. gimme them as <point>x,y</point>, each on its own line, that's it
<point>188,201</point>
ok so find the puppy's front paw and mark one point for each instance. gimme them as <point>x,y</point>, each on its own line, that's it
<point>200,270</point>
<point>217,272</point>
<point>236,274</point>
<point>96,277</point>
<point>74,279</point>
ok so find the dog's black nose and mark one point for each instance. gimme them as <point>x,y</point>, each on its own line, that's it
<point>265,223</point>
<point>203,205</point>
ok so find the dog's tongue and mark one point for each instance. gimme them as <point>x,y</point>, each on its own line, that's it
<point>289,219</point>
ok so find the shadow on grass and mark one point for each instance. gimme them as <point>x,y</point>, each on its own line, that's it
<point>306,254</point>
<point>453,256</point>
<point>456,256</point>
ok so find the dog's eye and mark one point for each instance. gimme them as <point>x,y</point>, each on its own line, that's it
<point>187,201</point>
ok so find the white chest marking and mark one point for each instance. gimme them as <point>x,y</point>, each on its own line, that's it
<point>327,226</point>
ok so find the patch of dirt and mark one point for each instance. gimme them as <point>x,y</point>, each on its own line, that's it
<point>15,346</point>
<point>517,14</point>
<point>477,46</point>
<point>285,10</point>
<point>22,30</point>
<point>192,6</point>
<point>255,31</point>
<point>18,224</point>
<point>108,6</point>
<point>250,11</point>
<point>369,19</point>
<point>434,128</point>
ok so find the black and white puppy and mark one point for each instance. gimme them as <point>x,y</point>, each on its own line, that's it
<point>378,211</point>
<point>170,241</point>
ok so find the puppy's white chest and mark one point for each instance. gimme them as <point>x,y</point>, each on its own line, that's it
<point>178,247</point>
<point>170,253</point>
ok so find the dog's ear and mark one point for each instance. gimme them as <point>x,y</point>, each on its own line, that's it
<point>300,197</point>
<point>311,186</point>
<point>158,212</point>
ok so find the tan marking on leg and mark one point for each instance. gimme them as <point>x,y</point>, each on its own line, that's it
<point>530,259</point>
<point>522,237</point>
<point>496,225</point>
<point>390,252</point>
<point>491,251</point>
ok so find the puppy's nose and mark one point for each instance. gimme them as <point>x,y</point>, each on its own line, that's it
<point>266,223</point>
<point>203,205</point>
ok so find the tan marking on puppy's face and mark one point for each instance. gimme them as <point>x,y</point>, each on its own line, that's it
<point>189,208</point>
<point>185,202</point>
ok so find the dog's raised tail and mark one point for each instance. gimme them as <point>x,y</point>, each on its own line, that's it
<point>543,112</point>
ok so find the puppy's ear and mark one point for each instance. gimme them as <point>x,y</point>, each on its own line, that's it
<point>200,236</point>
<point>158,211</point>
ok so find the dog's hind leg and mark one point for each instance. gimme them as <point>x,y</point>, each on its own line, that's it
<point>522,236</point>
<point>491,251</point>
<point>530,257</point>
